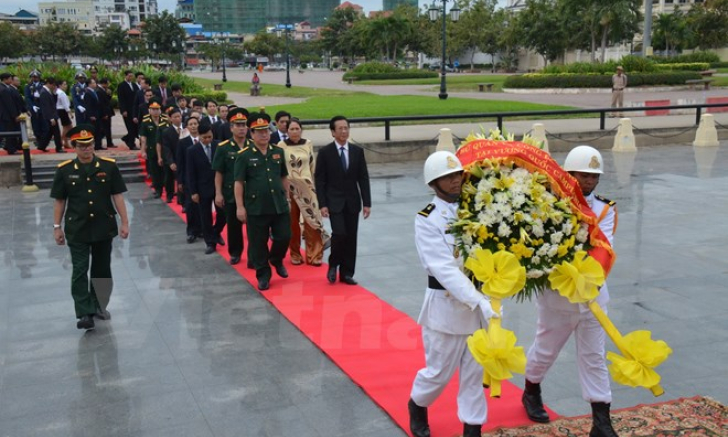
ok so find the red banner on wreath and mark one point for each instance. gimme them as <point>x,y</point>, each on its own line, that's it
<point>563,184</point>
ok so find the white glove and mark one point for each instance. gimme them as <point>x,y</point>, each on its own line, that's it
<point>487,310</point>
<point>36,95</point>
<point>36,109</point>
<point>81,109</point>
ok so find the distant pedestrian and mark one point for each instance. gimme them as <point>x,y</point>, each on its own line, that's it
<point>89,191</point>
<point>126,94</point>
<point>619,83</point>
<point>63,105</point>
<point>49,117</point>
<point>77,95</point>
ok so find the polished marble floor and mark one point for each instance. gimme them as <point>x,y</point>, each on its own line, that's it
<point>193,350</point>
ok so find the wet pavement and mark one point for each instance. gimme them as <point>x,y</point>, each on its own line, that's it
<point>193,350</point>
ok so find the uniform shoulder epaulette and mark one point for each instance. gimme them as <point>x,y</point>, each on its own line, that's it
<point>428,209</point>
<point>243,150</point>
<point>147,117</point>
<point>65,163</point>
<point>605,200</point>
<point>107,159</point>
<point>223,143</point>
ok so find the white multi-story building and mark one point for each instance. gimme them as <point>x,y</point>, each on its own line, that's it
<point>667,6</point>
<point>93,16</point>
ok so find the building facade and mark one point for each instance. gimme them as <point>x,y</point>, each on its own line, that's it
<point>667,6</point>
<point>185,10</point>
<point>252,16</point>
<point>92,16</point>
<point>390,5</point>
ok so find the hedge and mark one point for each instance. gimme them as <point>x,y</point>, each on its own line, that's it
<point>692,66</point>
<point>596,80</point>
<point>400,74</point>
<point>708,57</point>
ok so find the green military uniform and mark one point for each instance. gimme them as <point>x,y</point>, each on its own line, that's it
<point>266,202</point>
<point>152,132</point>
<point>90,226</point>
<point>224,163</point>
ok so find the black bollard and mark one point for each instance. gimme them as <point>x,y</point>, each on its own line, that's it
<point>29,186</point>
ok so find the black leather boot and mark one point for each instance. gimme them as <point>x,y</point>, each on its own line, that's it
<point>601,421</point>
<point>472,430</point>
<point>532,402</point>
<point>418,420</point>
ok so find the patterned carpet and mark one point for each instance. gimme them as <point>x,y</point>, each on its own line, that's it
<point>693,417</point>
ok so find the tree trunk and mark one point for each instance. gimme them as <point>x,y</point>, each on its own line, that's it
<point>593,47</point>
<point>605,33</point>
<point>472,60</point>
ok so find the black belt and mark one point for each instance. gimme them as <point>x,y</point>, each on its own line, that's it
<point>433,283</point>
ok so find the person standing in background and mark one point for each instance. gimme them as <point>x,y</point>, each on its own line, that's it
<point>126,94</point>
<point>619,83</point>
<point>107,111</point>
<point>63,106</point>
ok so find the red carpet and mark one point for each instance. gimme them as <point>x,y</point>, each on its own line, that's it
<point>376,345</point>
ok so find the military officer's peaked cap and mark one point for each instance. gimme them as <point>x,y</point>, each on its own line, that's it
<point>258,121</point>
<point>238,115</point>
<point>82,134</point>
<point>35,73</point>
<point>155,103</point>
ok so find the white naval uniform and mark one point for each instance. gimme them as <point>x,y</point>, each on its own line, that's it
<point>557,319</point>
<point>447,318</point>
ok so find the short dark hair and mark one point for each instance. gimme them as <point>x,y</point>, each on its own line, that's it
<point>104,80</point>
<point>210,101</point>
<point>173,110</point>
<point>281,114</point>
<point>50,81</point>
<point>181,98</point>
<point>295,120</point>
<point>162,79</point>
<point>204,128</point>
<point>196,102</point>
<point>147,81</point>
<point>5,76</point>
<point>175,86</point>
<point>138,73</point>
<point>332,123</point>
<point>127,72</point>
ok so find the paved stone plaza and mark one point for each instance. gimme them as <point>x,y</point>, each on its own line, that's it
<point>193,350</point>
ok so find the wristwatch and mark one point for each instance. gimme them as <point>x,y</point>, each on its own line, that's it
<point>55,226</point>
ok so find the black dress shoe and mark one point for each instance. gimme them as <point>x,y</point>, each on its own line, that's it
<point>331,275</point>
<point>86,322</point>
<point>348,280</point>
<point>418,420</point>
<point>209,250</point>
<point>533,403</point>
<point>170,200</point>
<point>156,195</point>
<point>234,260</point>
<point>263,284</point>
<point>191,239</point>
<point>281,270</point>
<point>220,241</point>
<point>250,266</point>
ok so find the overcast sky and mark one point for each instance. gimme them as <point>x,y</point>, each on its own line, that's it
<point>12,6</point>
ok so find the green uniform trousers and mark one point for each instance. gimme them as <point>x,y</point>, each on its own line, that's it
<point>87,294</point>
<point>156,173</point>
<point>234,230</point>
<point>260,227</point>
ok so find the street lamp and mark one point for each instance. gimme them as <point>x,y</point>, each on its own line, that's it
<point>286,28</point>
<point>222,43</point>
<point>435,12</point>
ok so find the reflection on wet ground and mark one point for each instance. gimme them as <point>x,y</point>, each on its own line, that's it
<point>193,350</point>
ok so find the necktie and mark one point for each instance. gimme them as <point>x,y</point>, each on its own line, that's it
<point>343,158</point>
<point>207,152</point>
<point>164,94</point>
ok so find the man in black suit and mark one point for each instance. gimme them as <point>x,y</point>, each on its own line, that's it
<point>201,182</point>
<point>281,134</point>
<point>190,208</point>
<point>107,110</point>
<point>162,90</point>
<point>212,119</point>
<point>49,116</point>
<point>9,112</point>
<point>94,115</point>
<point>167,150</point>
<point>342,186</point>
<point>126,94</point>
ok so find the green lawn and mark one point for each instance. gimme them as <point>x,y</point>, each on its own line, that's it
<point>371,105</point>
<point>276,90</point>
<point>455,82</point>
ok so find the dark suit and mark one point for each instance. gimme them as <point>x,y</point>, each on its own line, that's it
<point>343,193</point>
<point>107,111</point>
<point>167,94</point>
<point>9,112</point>
<point>126,95</point>
<point>275,138</point>
<point>94,114</point>
<point>31,101</point>
<point>201,180</point>
<point>214,126</point>
<point>191,209</point>
<point>48,112</point>
<point>169,140</point>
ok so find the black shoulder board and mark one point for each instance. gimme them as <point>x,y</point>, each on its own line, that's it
<point>428,209</point>
<point>605,200</point>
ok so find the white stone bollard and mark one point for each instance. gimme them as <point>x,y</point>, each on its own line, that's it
<point>624,163</point>
<point>707,135</point>
<point>539,134</point>
<point>624,141</point>
<point>445,141</point>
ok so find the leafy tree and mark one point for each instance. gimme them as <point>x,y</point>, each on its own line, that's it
<point>112,42</point>
<point>266,44</point>
<point>542,29</point>
<point>709,22</point>
<point>477,28</point>
<point>57,39</point>
<point>13,43</point>
<point>339,35</point>
<point>619,21</point>
<point>164,33</point>
<point>509,39</point>
<point>669,31</point>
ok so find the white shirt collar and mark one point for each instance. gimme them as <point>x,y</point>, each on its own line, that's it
<point>339,146</point>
